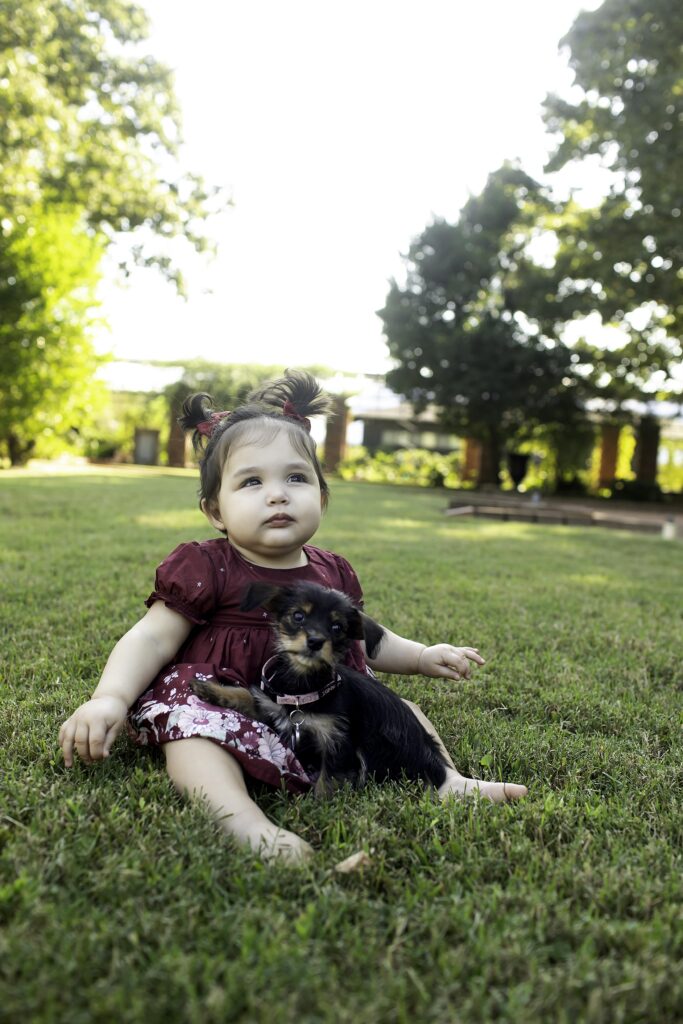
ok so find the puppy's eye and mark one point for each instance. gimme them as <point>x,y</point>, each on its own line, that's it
<point>336,629</point>
<point>298,617</point>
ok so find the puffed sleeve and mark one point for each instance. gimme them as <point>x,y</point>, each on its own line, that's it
<point>349,582</point>
<point>186,582</point>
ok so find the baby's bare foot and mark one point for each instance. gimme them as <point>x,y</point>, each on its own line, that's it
<point>284,846</point>
<point>253,829</point>
<point>496,792</point>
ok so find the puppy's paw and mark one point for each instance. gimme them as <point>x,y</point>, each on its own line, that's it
<point>327,785</point>
<point>235,697</point>
<point>201,688</point>
<point>324,787</point>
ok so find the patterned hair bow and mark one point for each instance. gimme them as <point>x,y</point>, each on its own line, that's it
<point>289,410</point>
<point>207,427</point>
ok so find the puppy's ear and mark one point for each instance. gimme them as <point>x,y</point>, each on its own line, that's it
<point>264,595</point>
<point>354,623</point>
<point>373,634</point>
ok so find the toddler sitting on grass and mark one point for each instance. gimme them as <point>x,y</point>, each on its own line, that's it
<point>263,489</point>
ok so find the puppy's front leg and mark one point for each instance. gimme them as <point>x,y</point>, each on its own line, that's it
<point>325,785</point>
<point>335,772</point>
<point>236,697</point>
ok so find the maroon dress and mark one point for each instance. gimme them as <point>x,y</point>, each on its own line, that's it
<point>205,582</point>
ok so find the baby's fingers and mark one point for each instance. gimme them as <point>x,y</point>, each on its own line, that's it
<point>82,742</point>
<point>112,733</point>
<point>453,668</point>
<point>473,654</point>
<point>97,738</point>
<point>66,742</point>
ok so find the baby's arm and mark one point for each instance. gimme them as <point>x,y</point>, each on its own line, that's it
<point>133,663</point>
<point>398,655</point>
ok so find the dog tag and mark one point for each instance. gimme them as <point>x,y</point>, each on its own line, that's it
<point>296,717</point>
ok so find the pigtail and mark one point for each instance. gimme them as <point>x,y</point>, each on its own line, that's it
<point>199,416</point>
<point>195,409</point>
<point>297,395</point>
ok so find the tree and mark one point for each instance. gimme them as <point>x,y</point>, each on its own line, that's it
<point>48,272</point>
<point>627,254</point>
<point>89,120</point>
<point>624,258</point>
<point>464,328</point>
<point>89,153</point>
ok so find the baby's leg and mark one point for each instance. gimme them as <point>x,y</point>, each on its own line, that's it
<point>457,784</point>
<point>202,769</point>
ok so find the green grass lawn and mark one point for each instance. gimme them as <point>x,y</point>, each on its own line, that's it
<point>119,903</point>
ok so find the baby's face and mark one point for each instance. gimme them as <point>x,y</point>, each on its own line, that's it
<point>269,502</point>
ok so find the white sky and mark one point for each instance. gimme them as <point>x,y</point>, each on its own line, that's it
<point>340,130</point>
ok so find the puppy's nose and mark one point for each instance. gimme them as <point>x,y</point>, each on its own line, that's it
<point>314,643</point>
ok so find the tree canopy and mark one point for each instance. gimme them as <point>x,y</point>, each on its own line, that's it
<point>467,330</point>
<point>48,271</point>
<point>91,120</point>
<point>626,56</point>
<point>477,327</point>
<point>90,152</point>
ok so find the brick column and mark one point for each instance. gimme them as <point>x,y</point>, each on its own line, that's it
<point>471,459</point>
<point>335,433</point>
<point>175,449</point>
<point>608,454</point>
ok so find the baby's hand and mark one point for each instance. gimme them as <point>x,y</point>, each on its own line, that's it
<point>448,662</point>
<point>92,729</point>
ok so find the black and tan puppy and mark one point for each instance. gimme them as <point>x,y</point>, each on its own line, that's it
<point>343,725</point>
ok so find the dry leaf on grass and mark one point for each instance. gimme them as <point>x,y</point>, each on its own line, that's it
<point>356,862</point>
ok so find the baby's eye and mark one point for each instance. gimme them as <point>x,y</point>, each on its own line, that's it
<point>297,478</point>
<point>298,616</point>
<point>251,481</point>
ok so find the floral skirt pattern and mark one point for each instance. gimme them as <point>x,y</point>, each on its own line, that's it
<point>169,711</point>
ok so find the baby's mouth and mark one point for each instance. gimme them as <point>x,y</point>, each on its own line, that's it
<point>280,519</point>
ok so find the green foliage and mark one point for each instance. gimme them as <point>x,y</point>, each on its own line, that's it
<point>626,255</point>
<point>475,328</point>
<point>48,274</point>
<point>89,152</point>
<point>90,120</point>
<point>625,453</point>
<point>416,466</point>
<point>626,56</point>
<point>227,383</point>
<point>670,470</point>
<point>112,434</point>
<point>465,329</point>
<point>560,460</point>
<point>563,908</point>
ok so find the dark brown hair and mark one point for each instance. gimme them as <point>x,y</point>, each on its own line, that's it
<point>280,404</point>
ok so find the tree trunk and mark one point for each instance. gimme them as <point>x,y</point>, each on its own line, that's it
<point>19,453</point>
<point>489,465</point>
<point>471,459</point>
<point>647,446</point>
<point>175,449</point>
<point>335,433</point>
